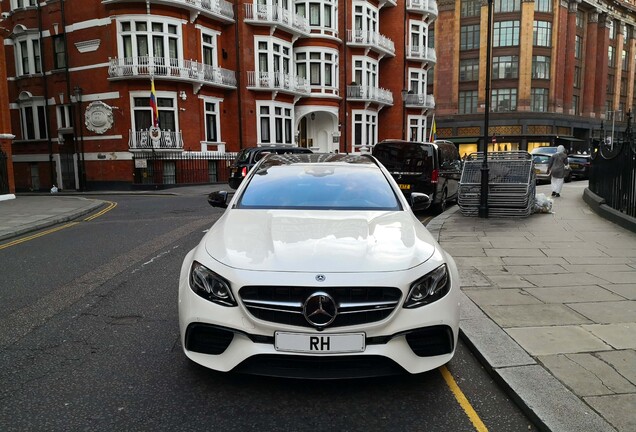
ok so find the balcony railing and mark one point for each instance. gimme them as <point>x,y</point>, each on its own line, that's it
<point>277,16</point>
<point>177,69</point>
<point>375,41</point>
<point>167,140</point>
<point>421,53</point>
<point>218,9</point>
<point>370,94</point>
<point>414,100</point>
<point>425,7</point>
<point>277,81</point>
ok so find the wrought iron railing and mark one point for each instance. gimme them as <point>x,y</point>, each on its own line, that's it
<point>277,81</point>
<point>161,169</point>
<point>276,15</point>
<point>179,69</point>
<point>220,9</point>
<point>371,94</point>
<point>165,140</point>
<point>371,39</point>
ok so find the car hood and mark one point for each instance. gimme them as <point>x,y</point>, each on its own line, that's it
<point>319,241</point>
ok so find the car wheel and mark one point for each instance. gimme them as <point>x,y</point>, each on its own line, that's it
<point>441,206</point>
<point>568,179</point>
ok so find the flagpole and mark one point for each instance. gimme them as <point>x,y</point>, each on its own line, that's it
<point>430,131</point>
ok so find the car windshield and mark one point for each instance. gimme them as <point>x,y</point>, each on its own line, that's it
<point>538,159</point>
<point>405,157</point>
<point>333,186</point>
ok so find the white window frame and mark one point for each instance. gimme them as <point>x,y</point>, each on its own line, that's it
<point>160,94</point>
<point>417,128</point>
<point>279,54</point>
<point>365,71</point>
<point>34,66</point>
<point>35,103</point>
<point>150,34</point>
<point>214,45</point>
<point>368,121</point>
<point>64,116</point>
<point>217,118</point>
<point>323,61</point>
<point>327,8</point>
<point>364,17</point>
<point>272,117</point>
<point>23,4</point>
<point>418,30</point>
<point>421,77</point>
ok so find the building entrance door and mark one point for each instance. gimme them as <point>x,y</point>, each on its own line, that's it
<point>4,173</point>
<point>68,164</point>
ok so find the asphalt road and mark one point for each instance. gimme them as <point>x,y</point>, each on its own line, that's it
<point>89,341</point>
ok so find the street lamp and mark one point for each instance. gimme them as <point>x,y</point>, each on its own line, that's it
<point>483,203</point>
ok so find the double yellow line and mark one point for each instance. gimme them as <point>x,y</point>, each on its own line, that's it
<point>111,205</point>
<point>462,400</point>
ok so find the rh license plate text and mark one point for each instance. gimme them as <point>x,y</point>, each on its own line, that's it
<point>319,343</point>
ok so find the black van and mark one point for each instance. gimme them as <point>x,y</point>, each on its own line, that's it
<point>248,157</point>
<point>433,168</point>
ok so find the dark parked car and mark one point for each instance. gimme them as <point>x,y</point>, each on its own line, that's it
<point>248,157</point>
<point>433,168</point>
<point>580,165</point>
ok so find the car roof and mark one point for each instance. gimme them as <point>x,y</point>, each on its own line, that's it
<point>318,158</point>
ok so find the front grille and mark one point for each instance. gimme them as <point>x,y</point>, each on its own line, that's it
<point>284,304</point>
<point>332,367</point>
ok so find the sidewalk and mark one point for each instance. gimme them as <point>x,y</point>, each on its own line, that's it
<point>548,303</point>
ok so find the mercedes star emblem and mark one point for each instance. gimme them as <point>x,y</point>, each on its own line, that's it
<point>320,309</point>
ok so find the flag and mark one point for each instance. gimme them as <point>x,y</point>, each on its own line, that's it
<point>153,104</point>
<point>433,133</point>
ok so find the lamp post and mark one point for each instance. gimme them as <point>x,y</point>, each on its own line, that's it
<point>77,90</point>
<point>483,203</point>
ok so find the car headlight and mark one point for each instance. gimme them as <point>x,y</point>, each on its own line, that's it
<point>209,285</point>
<point>429,288</point>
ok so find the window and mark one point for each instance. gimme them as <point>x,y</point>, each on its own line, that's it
<point>151,40</point>
<point>540,67</point>
<point>577,77</point>
<point>542,34</point>
<point>418,37</point>
<point>317,65</point>
<point>469,37</point>
<point>506,33</point>
<point>22,4</point>
<point>273,59</point>
<point>321,14</point>
<point>275,123</point>
<point>576,101</point>
<point>578,46</point>
<point>624,63</point>
<point>539,99</point>
<point>32,118</point>
<point>505,67</point>
<point>59,52</point>
<point>612,28</point>
<point>469,70</point>
<point>365,19</point>
<point>64,116</point>
<point>211,121</point>
<point>417,128</point>
<point>507,5</point>
<point>364,129</point>
<point>470,8</point>
<point>504,100</point>
<point>142,114</point>
<point>417,81</point>
<point>611,56</point>
<point>468,102</point>
<point>27,51</point>
<point>365,71</point>
<point>610,84</point>
<point>208,49</point>
<point>543,5</point>
<point>580,19</point>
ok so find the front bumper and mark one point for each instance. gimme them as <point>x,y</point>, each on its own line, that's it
<point>231,339</point>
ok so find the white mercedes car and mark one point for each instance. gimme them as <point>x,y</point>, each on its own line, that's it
<point>318,268</point>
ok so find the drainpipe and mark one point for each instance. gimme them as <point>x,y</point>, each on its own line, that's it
<point>346,76</point>
<point>46,99</point>
<point>238,76</point>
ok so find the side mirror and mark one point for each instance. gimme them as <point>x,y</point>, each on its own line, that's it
<point>218,199</point>
<point>420,201</point>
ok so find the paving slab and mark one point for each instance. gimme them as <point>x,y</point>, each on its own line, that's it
<point>619,277</point>
<point>624,361</point>
<point>509,281</point>
<point>573,252</point>
<point>607,312</point>
<point>477,261</point>
<point>534,315</point>
<point>586,375</point>
<point>471,277</point>
<point>619,336</point>
<point>598,260</point>
<point>617,409</point>
<point>460,251</point>
<point>541,341</point>
<point>539,260</point>
<point>557,408</point>
<point>515,252</point>
<point>625,290</point>
<point>564,279</point>
<point>500,297</point>
<point>573,294</point>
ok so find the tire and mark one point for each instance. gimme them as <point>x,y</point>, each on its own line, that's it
<point>440,207</point>
<point>568,179</point>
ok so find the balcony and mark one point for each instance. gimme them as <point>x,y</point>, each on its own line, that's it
<point>428,8</point>
<point>384,3</point>
<point>421,53</point>
<point>171,69</point>
<point>369,94</point>
<point>165,141</point>
<point>423,101</point>
<point>277,17</point>
<point>371,41</point>
<point>220,10</point>
<point>278,81</point>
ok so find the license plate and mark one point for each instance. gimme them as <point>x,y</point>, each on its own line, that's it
<point>537,171</point>
<point>574,166</point>
<point>405,186</point>
<point>319,343</point>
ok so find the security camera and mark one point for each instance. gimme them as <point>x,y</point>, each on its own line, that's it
<point>5,15</point>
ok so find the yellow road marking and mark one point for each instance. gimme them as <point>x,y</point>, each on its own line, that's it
<point>111,205</point>
<point>463,401</point>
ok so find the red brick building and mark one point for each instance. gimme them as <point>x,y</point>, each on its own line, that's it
<point>331,75</point>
